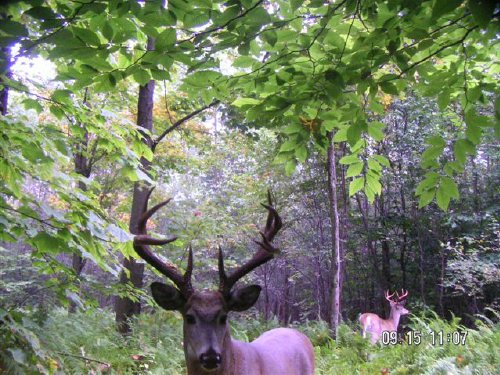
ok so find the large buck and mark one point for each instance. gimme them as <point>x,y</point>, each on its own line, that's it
<point>373,325</point>
<point>208,346</point>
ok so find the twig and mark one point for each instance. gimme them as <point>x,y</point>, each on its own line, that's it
<point>460,41</point>
<point>180,122</point>
<point>196,35</point>
<point>84,358</point>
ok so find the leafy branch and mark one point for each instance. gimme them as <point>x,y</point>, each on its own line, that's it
<point>438,51</point>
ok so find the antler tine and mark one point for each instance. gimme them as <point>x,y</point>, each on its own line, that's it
<point>222,272</point>
<point>265,252</point>
<point>404,294</point>
<point>142,240</point>
<point>389,297</point>
<point>148,213</point>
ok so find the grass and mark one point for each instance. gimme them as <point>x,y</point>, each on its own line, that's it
<point>87,342</point>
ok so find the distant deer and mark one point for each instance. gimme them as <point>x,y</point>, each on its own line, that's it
<point>208,346</point>
<point>374,325</point>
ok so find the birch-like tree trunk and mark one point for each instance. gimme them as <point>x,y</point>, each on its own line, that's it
<point>335,225</point>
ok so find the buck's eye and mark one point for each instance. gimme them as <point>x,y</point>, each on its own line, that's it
<point>223,319</point>
<point>190,319</point>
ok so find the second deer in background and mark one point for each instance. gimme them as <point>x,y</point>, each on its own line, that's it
<point>373,325</point>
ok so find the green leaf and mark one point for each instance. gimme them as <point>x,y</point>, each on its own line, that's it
<point>240,102</point>
<point>301,153</point>
<point>463,147</point>
<point>41,13</point>
<point>32,104</point>
<point>293,128</point>
<point>270,37</point>
<point>57,111</point>
<point>382,160</point>
<point>160,75</point>
<point>389,88</point>
<point>436,140</point>
<point>354,169</point>
<point>374,165</point>
<point>442,198</point>
<point>374,184</point>
<point>290,167</point>
<point>244,62</point>
<point>13,28</point>
<point>370,194</point>
<point>48,244</point>
<point>354,133</point>
<point>340,135</point>
<point>375,130</point>
<point>107,31</point>
<point>473,133</point>
<point>350,159</point>
<point>426,197</point>
<point>288,146</point>
<point>142,77</point>
<point>87,36</point>
<point>356,185</point>
<point>443,99</point>
<point>450,187</point>
<point>198,17</point>
<point>442,7</point>
<point>427,183</point>
<point>166,39</point>
<point>482,11</point>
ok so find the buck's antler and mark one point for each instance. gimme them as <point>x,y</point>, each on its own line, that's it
<point>265,252</point>
<point>143,239</point>
<point>389,297</point>
<point>402,297</point>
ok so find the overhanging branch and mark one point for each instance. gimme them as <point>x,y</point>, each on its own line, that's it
<point>178,123</point>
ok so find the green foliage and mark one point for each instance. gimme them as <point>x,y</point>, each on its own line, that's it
<point>333,74</point>
<point>474,261</point>
<point>21,351</point>
<point>351,354</point>
<point>87,341</point>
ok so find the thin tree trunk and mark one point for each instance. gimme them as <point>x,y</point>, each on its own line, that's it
<point>83,168</point>
<point>386,250</point>
<point>402,258</point>
<point>441,280</point>
<point>335,224</point>
<point>125,307</point>
<point>5,68</point>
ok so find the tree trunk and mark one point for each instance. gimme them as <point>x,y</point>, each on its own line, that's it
<point>83,168</point>
<point>125,307</point>
<point>404,246</point>
<point>386,250</point>
<point>5,68</point>
<point>335,224</point>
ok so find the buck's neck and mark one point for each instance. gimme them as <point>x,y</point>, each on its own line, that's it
<point>228,360</point>
<point>394,317</point>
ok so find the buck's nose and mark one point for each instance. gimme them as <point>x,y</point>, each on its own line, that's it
<point>210,360</point>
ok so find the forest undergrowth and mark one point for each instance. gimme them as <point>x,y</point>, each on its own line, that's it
<point>88,343</point>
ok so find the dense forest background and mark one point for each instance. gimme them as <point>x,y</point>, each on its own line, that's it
<point>374,124</point>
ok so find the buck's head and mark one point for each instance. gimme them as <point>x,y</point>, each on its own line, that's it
<point>205,315</point>
<point>205,312</point>
<point>397,303</point>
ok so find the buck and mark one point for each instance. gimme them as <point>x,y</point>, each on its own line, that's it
<point>208,346</point>
<point>373,325</point>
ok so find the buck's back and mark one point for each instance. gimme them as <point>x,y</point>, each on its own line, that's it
<point>280,351</point>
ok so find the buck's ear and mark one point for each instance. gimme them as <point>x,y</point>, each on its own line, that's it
<point>244,298</point>
<point>167,296</point>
